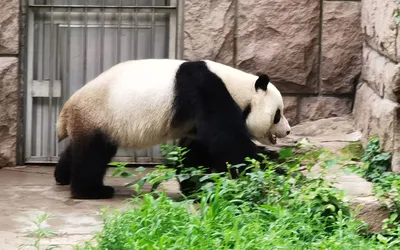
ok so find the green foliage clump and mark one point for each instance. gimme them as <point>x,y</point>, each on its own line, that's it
<point>376,168</point>
<point>260,210</point>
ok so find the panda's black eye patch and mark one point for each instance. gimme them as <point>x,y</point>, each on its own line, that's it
<point>277,117</point>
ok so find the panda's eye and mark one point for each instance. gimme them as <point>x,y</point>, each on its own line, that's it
<point>277,117</point>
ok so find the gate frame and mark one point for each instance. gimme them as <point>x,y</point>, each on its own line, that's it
<point>26,28</point>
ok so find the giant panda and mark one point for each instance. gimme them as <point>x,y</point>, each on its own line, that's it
<point>141,103</point>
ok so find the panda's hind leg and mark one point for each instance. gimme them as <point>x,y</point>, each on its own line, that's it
<point>91,155</point>
<point>62,172</point>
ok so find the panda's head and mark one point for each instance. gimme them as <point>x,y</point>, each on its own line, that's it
<point>265,119</point>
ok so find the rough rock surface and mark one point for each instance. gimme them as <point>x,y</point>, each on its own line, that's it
<point>314,108</point>
<point>379,26</point>
<point>334,134</point>
<point>8,110</point>
<point>341,47</point>
<point>9,26</point>
<point>209,30</point>
<point>377,116</point>
<point>291,104</point>
<point>280,38</point>
<point>381,74</point>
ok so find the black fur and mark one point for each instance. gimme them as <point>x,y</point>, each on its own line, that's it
<point>62,171</point>
<point>89,156</point>
<point>277,117</point>
<point>262,82</point>
<point>200,156</point>
<point>246,112</point>
<point>202,97</point>
<point>197,156</point>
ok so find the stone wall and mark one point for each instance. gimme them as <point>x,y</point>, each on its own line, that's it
<point>310,48</point>
<point>9,90</point>
<point>376,107</point>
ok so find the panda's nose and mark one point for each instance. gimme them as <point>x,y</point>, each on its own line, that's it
<point>287,132</point>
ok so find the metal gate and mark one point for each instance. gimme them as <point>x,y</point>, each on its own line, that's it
<point>69,42</point>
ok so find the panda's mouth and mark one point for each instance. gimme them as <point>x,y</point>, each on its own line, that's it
<point>272,138</point>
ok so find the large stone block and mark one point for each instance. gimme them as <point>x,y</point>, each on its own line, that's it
<point>8,110</point>
<point>314,108</point>
<point>379,26</point>
<point>376,116</point>
<point>381,74</point>
<point>209,30</point>
<point>291,104</point>
<point>341,47</point>
<point>280,38</point>
<point>9,26</point>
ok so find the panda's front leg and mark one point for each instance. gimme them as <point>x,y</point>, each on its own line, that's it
<point>91,155</point>
<point>196,156</point>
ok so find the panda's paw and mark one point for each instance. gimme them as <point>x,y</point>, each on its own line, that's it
<point>62,181</point>
<point>107,192</point>
<point>62,176</point>
<point>102,192</point>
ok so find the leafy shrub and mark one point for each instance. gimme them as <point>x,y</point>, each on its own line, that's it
<point>260,210</point>
<point>376,168</point>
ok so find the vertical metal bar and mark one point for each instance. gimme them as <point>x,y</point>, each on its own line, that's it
<point>57,74</point>
<point>66,78</point>
<point>38,109</point>
<point>152,54</point>
<point>179,27</point>
<point>172,28</point>
<point>153,34</point>
<point>85,38</point>
<point>29,80</point>
<point>102,35</point>
<point>131,28</point>
<point>68,54</point>
<point>136,56</point>
<point>51,85</point>
<point>119,13</point>
<point>135,53</point>
<point>41,99</point>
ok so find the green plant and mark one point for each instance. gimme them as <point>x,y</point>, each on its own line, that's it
<point>397,12</point>
<point>259,210</point>
<point>376,169</point>
<point>40,232</point>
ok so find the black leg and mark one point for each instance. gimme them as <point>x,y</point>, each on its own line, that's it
<point>91,154</point>
<point>62,172</point>
<point>229,147</point>
<point>197,156</point>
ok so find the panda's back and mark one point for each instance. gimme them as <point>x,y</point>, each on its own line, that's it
<point>132,101</point>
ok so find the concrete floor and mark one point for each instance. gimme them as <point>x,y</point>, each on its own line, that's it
<point>27,192</point>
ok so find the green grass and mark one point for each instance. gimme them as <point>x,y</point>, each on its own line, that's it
<point>260,210</point>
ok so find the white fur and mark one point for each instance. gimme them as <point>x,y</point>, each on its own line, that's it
<point>138,109</point>
<point>241,86</point>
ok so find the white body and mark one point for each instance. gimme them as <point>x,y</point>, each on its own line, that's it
<point>132,102</point>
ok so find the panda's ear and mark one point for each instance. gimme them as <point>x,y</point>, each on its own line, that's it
<point>262,82</point>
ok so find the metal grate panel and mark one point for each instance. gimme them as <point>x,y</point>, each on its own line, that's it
<point>70,42</point>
